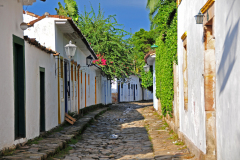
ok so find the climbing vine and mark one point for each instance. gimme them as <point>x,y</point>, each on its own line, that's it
<point>147,79</point>
<point>166,54</point>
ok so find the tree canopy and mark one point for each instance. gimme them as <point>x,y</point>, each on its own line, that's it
<point>107,39</point>
<point>142,42</point>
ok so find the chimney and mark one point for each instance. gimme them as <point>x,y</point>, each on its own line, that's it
<point>46,14</point>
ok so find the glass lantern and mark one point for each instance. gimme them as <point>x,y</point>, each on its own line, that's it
<point>199,18</point>
<point>146,68</point>
<point>89,60</point>
<point>23,26</point>
<point>70,49</point>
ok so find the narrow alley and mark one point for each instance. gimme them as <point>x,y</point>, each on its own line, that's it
<point>122,133</point>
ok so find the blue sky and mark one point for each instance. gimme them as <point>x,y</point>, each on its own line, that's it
<point>131,13</point>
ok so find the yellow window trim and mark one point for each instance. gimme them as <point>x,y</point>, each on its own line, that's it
<point>184,35</point>
<point>178,2</point>
<point>207,6</point>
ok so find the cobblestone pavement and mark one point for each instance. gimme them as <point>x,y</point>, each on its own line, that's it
<point>55,140</point>
<point>122,133</point>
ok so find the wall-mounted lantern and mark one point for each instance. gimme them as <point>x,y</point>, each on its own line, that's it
<point>89,60</point>
<point>70,49</point>
<point>199,18</point>
<point>146,68</point>
<point>23,26</point>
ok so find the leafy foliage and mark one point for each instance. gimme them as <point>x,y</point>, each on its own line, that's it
<point>142,41</point>
<point>153,6</point>
<point>166,22</point>
<point>158,8</point>
<point>70,10</point>
<point>106,38</point>
<point>147,80</point>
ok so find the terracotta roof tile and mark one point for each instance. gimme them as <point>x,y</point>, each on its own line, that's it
<point>30,14</point>
<point>38,45</point>
<point>30,24</point>
<point>42,17</point>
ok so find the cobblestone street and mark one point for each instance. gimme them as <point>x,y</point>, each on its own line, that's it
<point>122,133</point>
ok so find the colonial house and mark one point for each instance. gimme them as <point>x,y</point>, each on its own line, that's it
<point>27,72</point>
<point>39,82</point>
<point>79,84</point>
<point>209,77</point>
<point>129,90</point>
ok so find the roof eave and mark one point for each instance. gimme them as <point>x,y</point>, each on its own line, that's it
<point>82,37</point>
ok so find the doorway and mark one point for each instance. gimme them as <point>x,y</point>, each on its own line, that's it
<point>118,84</point>
<point>134,90</point>
<point>95,90</point>
<point>66,87</point>
<point>105,94</point>
<point>19,87</point>
<point>42,99</point>
<point>129,98</point>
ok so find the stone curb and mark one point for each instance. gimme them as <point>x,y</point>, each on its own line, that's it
<point>56,141</point>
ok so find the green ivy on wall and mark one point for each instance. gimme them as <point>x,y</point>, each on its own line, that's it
<point>166,54</point>
<point>147,79</point>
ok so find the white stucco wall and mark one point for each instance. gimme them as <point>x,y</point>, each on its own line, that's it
<point>155,100</point>
<point>192,121</point>
<point>127,95</point>
<point>27,18</point>
<point>9,10</point>
<point>43,31</point>
<point>48,33</point>
<point>106,94</point>
<point>35,58</point>
<point>148,95</point>
<point>227,79</point>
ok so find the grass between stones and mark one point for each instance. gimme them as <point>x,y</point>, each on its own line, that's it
<point>165,125</point>
<point>35,140</point>
<point>61,153</point>
<point>180,143</point>
<point>174,136</point>
<point>8,152</point>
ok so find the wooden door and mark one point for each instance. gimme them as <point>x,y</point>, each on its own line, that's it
<point>78,90</point>
<point>85,90</point>
<point>19,87</point>
<point>95,90</point>
<point>134,90</point>
<point>66,87</point>
<point>42,99</point>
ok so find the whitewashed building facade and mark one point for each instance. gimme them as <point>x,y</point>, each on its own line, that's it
<point>209,78</point>
<point>33,94</point>
<point>79,85</point>
<point>130,90</point>
<point>27,72</point>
